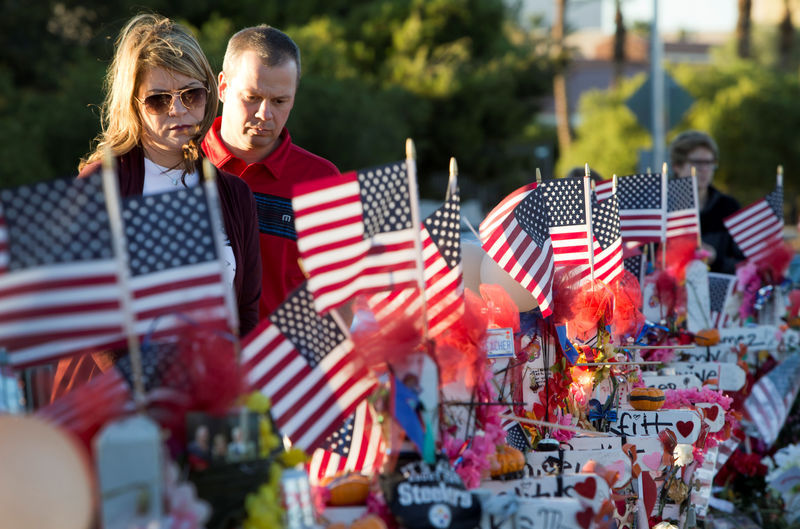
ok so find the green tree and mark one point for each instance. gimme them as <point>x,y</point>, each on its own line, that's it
<point>608,137</point>
<point>461,77</point>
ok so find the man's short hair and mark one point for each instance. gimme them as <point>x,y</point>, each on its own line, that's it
<point>272,45</point>
<point>686,142</point>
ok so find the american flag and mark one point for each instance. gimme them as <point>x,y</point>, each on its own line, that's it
<point>604,189</point>
<point>636,265</point>
<point>58,275</point>
<point>444,285</point>
<point>306,365</point>
<point>174,264</point>
<point>772,398</point>
<point>642,207</point>
<point>720,287</point>
<point>355,234</point>
<point>607,242</point>
<point>516,237</point>
<point>515,436</point>
<point>757,228</point>
<point>565,204</point>
<point>357,446</point>
<point>682,213</point>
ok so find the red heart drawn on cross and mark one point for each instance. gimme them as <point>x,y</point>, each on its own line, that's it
<point>649,493</point>
<point>711,413</point>
<point>587,488</point>
<point>685,428</point>
<point>584,518</point>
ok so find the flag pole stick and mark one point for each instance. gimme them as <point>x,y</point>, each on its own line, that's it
<point>664,208</point>
<point>538,176</point>
<point>587,181</point>
<point>696,206</point>
<point>429,372</point>
<point>779,176</point>
<point>113,203</point>
<point>416,221</point>
<point>217,223</point>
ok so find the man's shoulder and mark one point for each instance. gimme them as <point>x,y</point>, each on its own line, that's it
<point>305,164</point>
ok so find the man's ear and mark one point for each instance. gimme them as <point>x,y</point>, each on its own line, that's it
<point>222,85</point>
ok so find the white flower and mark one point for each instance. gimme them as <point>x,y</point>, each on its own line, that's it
<point>664,525</point>
<point>682,454</point>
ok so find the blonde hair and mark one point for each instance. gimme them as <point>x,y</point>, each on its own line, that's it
<point>149,41</point>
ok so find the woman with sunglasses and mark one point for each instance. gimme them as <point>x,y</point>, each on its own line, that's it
<point>161,99</point>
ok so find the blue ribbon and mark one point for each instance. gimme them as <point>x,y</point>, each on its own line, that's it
<point>648,328</point>
<point>596,412</point>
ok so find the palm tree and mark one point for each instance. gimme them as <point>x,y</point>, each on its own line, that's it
<point>786,37</point>
<point>619,44</point>
<point>743,29</point>
<point>560,77</point>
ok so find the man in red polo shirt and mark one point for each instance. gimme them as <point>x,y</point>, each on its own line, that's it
<point>257,85</point>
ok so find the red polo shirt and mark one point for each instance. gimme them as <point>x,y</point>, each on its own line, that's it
<point>271,181</point>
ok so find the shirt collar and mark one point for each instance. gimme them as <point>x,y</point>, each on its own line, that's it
<point>224,159</point>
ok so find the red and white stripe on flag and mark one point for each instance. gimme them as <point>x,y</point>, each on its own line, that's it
<point>175,268</point>
<point>444,285</point>
<point>59,292</point>
<point>516,237</point>
<point>682,212</point>
<point>607,240</point>
<point>355,234</point>
<point>357,446</point>
<point>757,227</point>
<point>565,201</point>
<point>305,364</point>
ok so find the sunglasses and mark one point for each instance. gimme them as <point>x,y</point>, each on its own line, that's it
<point>160,103</point>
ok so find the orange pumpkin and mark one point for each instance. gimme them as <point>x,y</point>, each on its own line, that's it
<point>350,489</point>
<point>706,337</point>
<point>646,399</point>
<point>506,460</point>
<point>370,521</point>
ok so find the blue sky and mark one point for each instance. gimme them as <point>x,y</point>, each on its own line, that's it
<point>692,15</point>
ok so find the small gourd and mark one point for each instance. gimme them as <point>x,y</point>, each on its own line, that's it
<point>706,337</point>
<point>506,460</point>
<point>350,489</point>
<point>646,399</point>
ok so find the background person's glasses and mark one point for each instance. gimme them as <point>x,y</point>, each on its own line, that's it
<point>160,103</point>
<point>703,163</point>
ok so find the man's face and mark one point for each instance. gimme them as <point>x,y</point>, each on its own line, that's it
<point>257,101</point>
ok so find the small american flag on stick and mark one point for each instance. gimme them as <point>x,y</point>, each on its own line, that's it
<point>759,226</point>
<point>642,206</point>
<point>357,446</point>
<point>59,292</point>
<point>772,397</point>
<point>566,203</point>
<point>682,213</point>
<point>174,265</point>
<point>305,364</point>
<point>607,241</point>
<point>444,285</point>
<point>356,235</point>
<point>515,235</point>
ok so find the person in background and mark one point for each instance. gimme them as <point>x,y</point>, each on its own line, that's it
<point>695,149</point>
<point>257,85</point>
<point>160,100</point>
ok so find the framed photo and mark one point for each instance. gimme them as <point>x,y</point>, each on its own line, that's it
<point>218,441</point>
